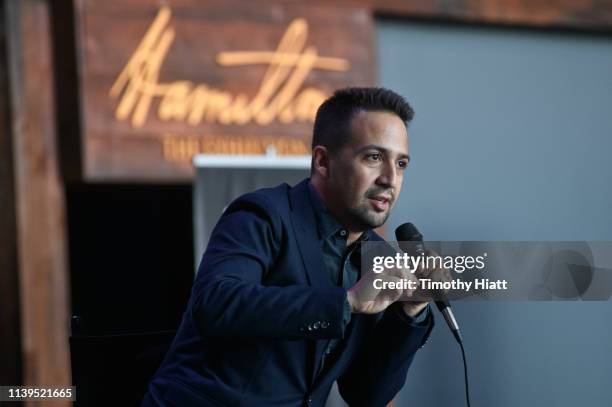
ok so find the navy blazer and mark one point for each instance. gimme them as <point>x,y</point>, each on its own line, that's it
<point>262,310</point>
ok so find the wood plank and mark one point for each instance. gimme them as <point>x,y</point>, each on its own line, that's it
<point>40,202</point>
<point>587,15</point>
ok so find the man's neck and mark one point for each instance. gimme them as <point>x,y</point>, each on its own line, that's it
<point>352,237</point>
<point>354,233</point>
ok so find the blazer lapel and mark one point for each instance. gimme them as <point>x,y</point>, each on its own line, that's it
<point>305,226</point>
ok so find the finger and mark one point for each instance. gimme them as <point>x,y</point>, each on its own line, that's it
<point>391,294</point>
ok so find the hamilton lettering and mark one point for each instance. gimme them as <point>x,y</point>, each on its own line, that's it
<point>280,95</point>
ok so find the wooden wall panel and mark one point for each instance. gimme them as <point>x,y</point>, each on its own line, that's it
<point>41,239</point>
<point>129,136</point>
<point>587,15</point>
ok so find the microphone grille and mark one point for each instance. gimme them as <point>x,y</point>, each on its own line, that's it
<point>408,232</point>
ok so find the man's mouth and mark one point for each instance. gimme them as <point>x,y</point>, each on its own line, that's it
<point>380,202</point>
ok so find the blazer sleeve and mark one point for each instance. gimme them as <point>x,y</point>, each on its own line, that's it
<point>228,297</point>
<point>379,370</point>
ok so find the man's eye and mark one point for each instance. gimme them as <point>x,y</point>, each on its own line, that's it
<point>402,164</point>
<point>373,157</point>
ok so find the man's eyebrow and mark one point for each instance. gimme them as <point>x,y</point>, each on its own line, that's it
<point>384,150</point>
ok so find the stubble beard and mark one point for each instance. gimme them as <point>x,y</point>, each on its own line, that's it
<point>366,217</point>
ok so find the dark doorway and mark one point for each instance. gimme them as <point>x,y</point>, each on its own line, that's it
<point>131,267</point>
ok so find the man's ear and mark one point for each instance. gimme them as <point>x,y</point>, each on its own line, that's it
<point>320,161</point>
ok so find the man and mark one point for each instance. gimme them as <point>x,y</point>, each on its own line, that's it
<point>279,309</point>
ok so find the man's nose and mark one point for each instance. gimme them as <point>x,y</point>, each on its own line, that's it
<point>388,175</point>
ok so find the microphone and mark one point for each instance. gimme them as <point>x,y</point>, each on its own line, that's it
<point>409,233</point>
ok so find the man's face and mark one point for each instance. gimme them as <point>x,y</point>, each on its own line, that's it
<point>366,174</point>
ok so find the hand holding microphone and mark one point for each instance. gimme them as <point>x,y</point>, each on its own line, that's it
<point>376,290</point>
<point>416,300</point>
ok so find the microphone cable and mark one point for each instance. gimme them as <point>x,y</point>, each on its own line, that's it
<point>465,373</point>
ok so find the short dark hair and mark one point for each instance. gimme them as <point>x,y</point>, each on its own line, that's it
<point>333,119</point>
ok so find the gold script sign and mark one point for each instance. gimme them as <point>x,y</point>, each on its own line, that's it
<point>280,94</point>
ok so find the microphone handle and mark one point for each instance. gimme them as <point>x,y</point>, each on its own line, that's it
<point>443,305</point>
